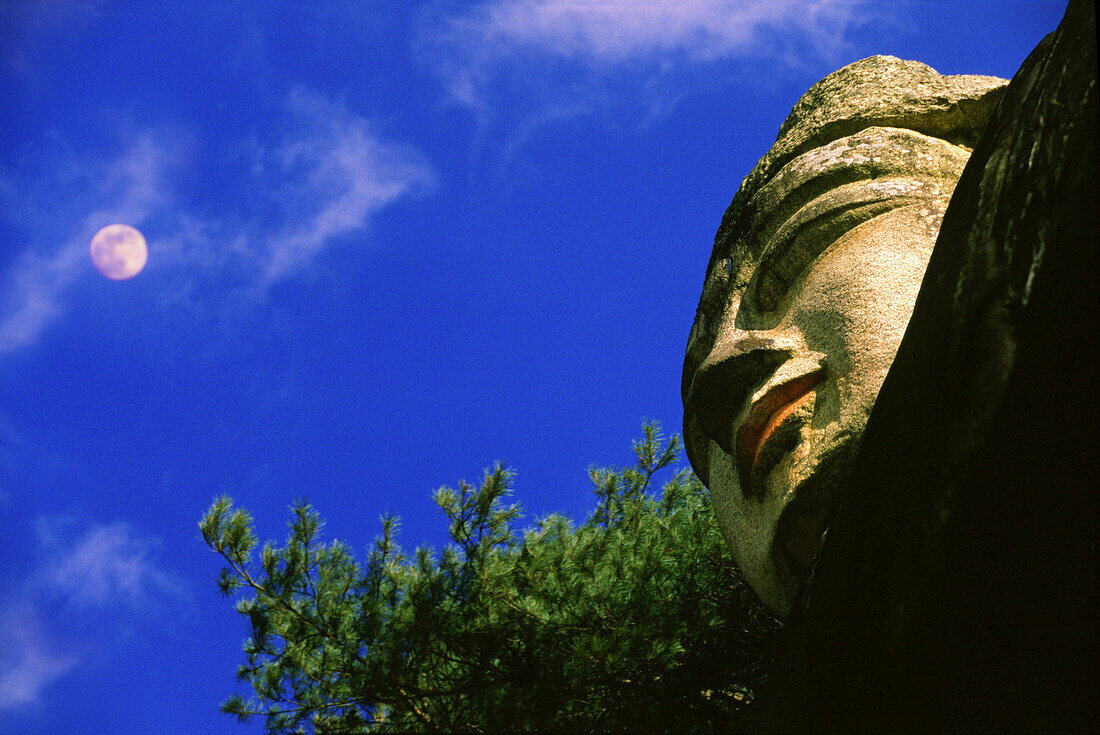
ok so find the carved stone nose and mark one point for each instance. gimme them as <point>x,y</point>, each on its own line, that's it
<point>727,377</point>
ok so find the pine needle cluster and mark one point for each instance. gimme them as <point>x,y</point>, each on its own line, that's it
<point>634,621</point>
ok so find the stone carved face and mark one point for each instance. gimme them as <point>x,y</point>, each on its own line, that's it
<point>807,295</point>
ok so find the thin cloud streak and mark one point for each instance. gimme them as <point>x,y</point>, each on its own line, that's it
<point>324,178</point>
<point>35,284</point>
<point>29,662</point>
<point>105,565</point>
<point>470,47</point>
<point>98,575</point>
<point>345,171</point>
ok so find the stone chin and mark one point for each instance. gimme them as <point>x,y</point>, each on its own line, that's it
<point>773,518</point>
<point>775,539</point>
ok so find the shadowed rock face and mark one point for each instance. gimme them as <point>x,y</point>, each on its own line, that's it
<point>955,591</point>
<point>807,294</point>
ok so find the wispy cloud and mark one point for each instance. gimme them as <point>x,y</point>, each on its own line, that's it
<point>89,576</point>
<point>102,566</point>
<point>34,284</point>
<point>339,173</point>
<point>487,46</point>
<point>522,66</point>
<point>319,173</point>
<point>29,660</point>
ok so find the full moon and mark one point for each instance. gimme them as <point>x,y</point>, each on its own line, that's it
<point>119,252</point>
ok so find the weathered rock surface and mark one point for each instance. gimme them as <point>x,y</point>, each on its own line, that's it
<point>918,98</point>
<point>810,285</point>
<point>955,591</point>
<point>865,174</point>
<point>879,95</point>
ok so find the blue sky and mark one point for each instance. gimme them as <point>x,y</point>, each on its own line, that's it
<point>388,246</point>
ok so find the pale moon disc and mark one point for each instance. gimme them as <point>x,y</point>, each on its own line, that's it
<point>119,252</point>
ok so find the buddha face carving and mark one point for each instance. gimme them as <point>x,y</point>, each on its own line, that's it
<point>806,298</point>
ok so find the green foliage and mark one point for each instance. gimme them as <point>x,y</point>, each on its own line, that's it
<point>634,621</point>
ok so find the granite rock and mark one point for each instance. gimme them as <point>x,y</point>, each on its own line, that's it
<point>810,286</point>
<point>955,590</point>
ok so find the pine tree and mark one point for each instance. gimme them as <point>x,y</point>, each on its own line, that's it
<point>634,621</point>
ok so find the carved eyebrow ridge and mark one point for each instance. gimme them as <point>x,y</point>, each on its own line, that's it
<point>748,229</point>
<point>872,153</point>
<point>823,221</point>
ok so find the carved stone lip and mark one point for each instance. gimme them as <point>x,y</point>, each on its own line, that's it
<point>765,415</point>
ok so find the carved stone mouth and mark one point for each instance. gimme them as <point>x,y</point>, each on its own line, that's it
<point>766,415</point>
